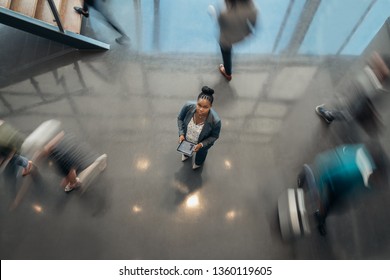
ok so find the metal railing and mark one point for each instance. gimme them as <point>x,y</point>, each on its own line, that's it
<point>56,15</point>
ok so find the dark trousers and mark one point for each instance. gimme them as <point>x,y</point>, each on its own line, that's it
<point>362,110</point>
<point>227,59</point>
<point>200,156</point>
<point>112,22</point>
<point>88,3</point>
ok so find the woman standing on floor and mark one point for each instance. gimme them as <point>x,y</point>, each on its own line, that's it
<point>236,21</point>
<point>200,124</point>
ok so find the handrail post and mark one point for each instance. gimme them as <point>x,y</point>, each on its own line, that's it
<point>56,15</point>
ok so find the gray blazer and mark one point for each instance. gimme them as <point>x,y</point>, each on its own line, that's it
<point>211,128</point>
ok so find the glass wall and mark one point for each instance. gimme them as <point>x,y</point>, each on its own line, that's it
<point>334,27</point>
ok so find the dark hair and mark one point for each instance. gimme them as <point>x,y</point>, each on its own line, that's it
<point>233,3</point>
<point>207,93</point>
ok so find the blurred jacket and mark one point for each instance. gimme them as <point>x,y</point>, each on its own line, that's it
<point>10,138</point>
<point>237,22</point>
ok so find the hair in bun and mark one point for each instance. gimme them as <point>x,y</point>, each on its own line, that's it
<point>207,90</point>
<point>207,93</point>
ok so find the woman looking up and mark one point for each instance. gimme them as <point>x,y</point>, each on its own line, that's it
<point>200,124</point>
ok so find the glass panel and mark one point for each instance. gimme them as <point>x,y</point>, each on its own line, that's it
<point>369,27</point>
<point>184,26</point>
<point>332,24</point>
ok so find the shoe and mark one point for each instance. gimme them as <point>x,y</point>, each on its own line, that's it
<point>195,166</point>
<point>184,157</point>
<point>27,170</point>
<point>123,40</point>
<point>70,187</point>
<point>102,162</point>
<point>223,72</point>
<point>324,113</point>
<point>80,11</point>
<point>212,12</point>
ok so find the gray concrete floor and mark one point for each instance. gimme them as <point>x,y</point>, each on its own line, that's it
<point>150,205</point>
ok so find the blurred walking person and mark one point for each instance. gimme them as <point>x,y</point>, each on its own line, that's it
<point>10,144</point>
<point>75,160</point>
<point>236,21</point>
<point>357,105</point>
<point>337,173</point>
<point>123,39</point>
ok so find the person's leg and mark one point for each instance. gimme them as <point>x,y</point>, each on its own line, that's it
<point>73,181</point>
<point>66,155</point>
<point>123,39</point>
<point>325,200</point>
<point>227,59</point>
<point>200,157</point>
<point>338,115</point>
<point>368,117</point>
<point>23,162</point>
<point>329,115</point>
<point>84,10</point>
<point>115,26</point>
<point>72,176</point>
<point>85,6</point>
<point>108,16</point>
<point>88,3</point>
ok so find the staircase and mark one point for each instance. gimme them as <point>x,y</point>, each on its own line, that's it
<point>59,23</point>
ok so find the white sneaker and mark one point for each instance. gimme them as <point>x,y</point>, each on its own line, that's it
<point>184,157</point>
<point>212,12</point>
<point>70,187</point>
<point>195,166</point>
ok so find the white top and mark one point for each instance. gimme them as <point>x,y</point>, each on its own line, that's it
<point>193,131</point>
<point>364,165</point>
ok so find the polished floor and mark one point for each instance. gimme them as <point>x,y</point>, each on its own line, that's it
<point>148,204</point>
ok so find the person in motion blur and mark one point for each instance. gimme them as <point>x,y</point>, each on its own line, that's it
<point>72,157</point>
<point>357,104</point>
<point>336,173</point>
<point>99,6</point>
<point>236,20</point>
<point>11,141</point>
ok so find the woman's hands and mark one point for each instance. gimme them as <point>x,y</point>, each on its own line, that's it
<point>196,148</point>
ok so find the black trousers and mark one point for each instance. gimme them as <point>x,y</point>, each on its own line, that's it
<point>112,22</point>
<point>227,59</point>
<point>88,3</point>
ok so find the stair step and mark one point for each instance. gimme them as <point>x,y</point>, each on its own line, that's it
<point>70,19</point>
<point>26,7</point>
<point>44,13</point>
<point>43,29</point>
<point>5,3</point>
